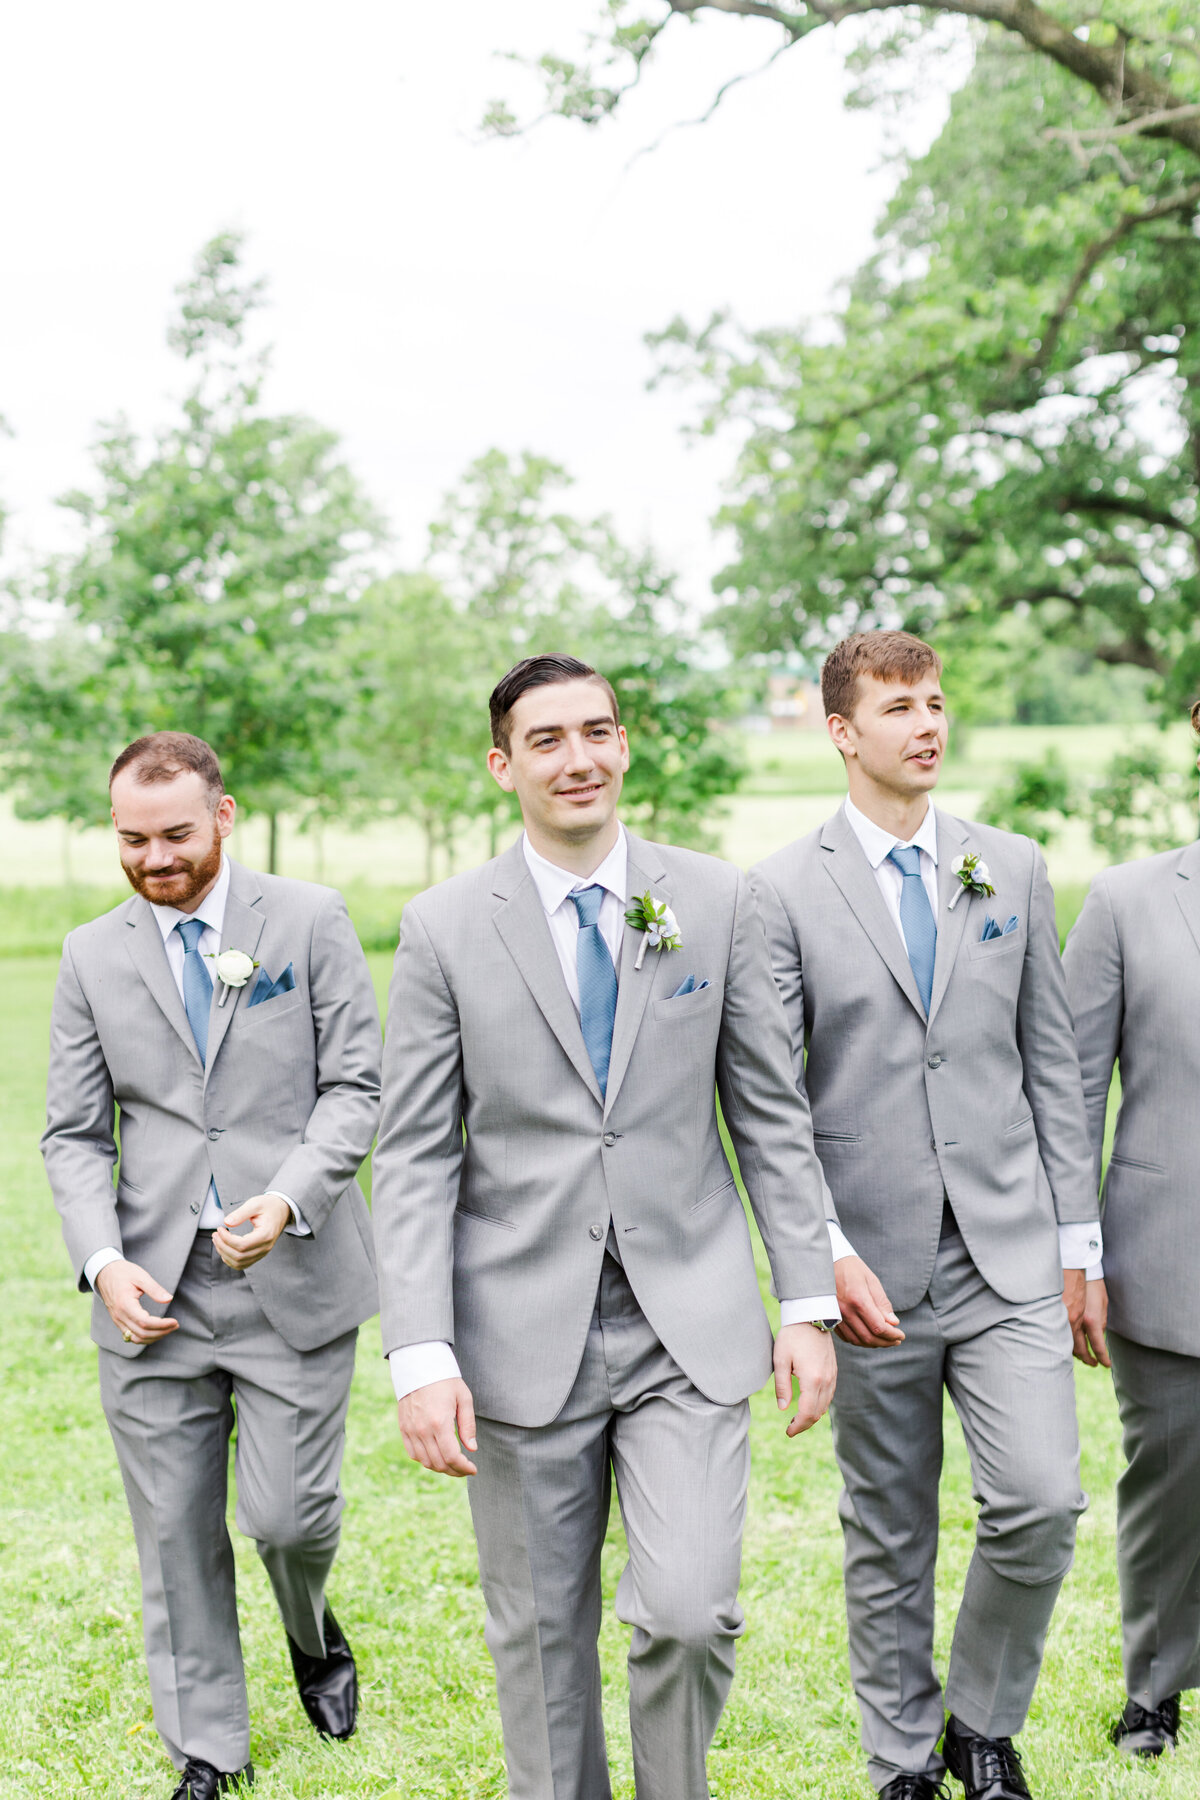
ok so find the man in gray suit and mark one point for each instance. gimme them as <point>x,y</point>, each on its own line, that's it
<point>230,1019</point>
<point>1133,976</point>
<point>918,961</point>
<point>567,1279</point>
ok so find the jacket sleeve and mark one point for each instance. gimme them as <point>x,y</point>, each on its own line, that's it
<point>79,1142</point>
<point>419,1157</point>
<point>338,1133</point>
<point>1046,1040</point>
<point>1094,968</point>
<point>767,1114</point>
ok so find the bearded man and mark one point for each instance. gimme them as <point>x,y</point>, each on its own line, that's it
<point>230,1019</point>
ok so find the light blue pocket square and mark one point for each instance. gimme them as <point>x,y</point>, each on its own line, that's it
<point>992,930</point>
<point>688,986</point>
<point>266,989</point>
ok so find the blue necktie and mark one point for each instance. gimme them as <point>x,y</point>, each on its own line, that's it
<point>597,983</point>
<point>197,986</point>
<point>916,919</point>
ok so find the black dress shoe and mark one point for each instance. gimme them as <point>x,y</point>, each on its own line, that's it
<point>914,1787</point>
<point>328,1684</point>
<point>200,1781</point>
<point>989,1768</point>
<point>1147,1730</point>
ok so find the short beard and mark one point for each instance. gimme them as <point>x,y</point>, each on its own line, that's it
<point>195,877</point>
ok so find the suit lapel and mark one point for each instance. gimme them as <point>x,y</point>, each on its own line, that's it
<point>244,921</point>
<point>847,864</point>
<point>634,986</point>
<point>150,960</point>
<point>521,922</point>
<point>1187,889</point>
<point>951,926</point>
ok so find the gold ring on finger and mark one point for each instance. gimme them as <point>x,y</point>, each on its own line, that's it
<point>128,1336</point>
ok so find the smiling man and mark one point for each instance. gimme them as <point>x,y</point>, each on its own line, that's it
<point>917,957</point>
<point>568,1285</point>
<point>230,1019</point>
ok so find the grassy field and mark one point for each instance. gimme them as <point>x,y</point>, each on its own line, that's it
<point>76,1717</point>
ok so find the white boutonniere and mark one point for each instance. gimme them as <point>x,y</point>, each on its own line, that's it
<point>655,919</point>
<point>972,872</point>
<point>233,969</point>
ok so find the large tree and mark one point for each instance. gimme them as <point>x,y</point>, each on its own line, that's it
<point>217,569</point>
<point>1004,417</point>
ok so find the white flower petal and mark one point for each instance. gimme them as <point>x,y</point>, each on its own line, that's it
<point>234,968</point>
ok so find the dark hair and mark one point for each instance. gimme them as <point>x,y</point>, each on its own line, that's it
<point>882,655</point>
<point>538,671</point>
<point>164,755</point>
<point>1194,715</point>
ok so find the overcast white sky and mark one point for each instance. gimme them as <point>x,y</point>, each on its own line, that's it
<point>432,294</point>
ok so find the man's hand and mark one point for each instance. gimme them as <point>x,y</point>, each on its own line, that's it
<point>267,1214</point>
<point>1088,1328</point>
<point>429,1419</point>
<point>807,1354</point>
<point>121,1285</point>
<point>867,1316</point>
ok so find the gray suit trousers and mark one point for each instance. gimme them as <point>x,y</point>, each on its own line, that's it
<point>171,1412</point>
<point>1158,1518</point>
<point>1007,1368</point>
<point>540,1505</point>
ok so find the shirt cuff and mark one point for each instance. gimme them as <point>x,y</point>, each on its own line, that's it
<point>1094,1272</point>
<point>821,1307</point>
<point>297,1228</point>
<point>418,1365</point>
<point>839,1243</point>
<point>99,1259</point>
<point>1080,1246</point>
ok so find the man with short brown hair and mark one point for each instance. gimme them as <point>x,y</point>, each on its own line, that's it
<point>917,957</point>
<point>230,1017</point>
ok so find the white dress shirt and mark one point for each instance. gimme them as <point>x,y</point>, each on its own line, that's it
<point>417,1365</point>
<point>1080,1246</point>
<point>211,912</point>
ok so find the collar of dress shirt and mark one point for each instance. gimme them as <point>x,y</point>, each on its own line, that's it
<point>211,909</point>
<point>878,843</point>
<point>554,884</point>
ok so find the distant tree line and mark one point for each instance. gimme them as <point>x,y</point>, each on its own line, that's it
<point>227,583</point>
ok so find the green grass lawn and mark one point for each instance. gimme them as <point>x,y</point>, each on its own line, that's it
<point>76,1715</point>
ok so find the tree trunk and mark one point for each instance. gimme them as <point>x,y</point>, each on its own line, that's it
<point>272,843</point>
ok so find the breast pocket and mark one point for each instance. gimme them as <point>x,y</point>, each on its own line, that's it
<point>679,1008</point>
<point>269,1011</point>
<point>996,948</point>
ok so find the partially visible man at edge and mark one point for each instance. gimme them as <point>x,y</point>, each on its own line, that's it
<point>917,956</point>
<point>231,1019</point>
<point>1133,975</point>
<point>569,1295</point>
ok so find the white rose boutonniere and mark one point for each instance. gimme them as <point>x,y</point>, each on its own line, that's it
<point>233,970</point>
<point>657,922</point>
<point>972,873</point>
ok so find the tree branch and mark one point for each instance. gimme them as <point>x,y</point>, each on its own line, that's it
<point>1094,254</point>
<point>1134,509</point>
<point>1105,67</point>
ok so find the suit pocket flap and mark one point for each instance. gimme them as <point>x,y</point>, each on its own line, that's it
<point>687,1006</point>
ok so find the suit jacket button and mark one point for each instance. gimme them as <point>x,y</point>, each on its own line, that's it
<point>595,1232</point>
<point>194,1206</point>
<point>935,1062</point>
<point>610,1138</point>
<point>214,1132</point>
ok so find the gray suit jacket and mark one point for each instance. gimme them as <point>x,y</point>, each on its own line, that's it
<point>982,1102</point>
<point>289,1099</point>
<point>494,1240</point>
<point>1133,975</point>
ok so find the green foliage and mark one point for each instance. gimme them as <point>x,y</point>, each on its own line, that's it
<point>217,571</point>
<point>1136,807</point>
<point>1006,422</point>
<point>1038,800</point>
<point>1141,803</point>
